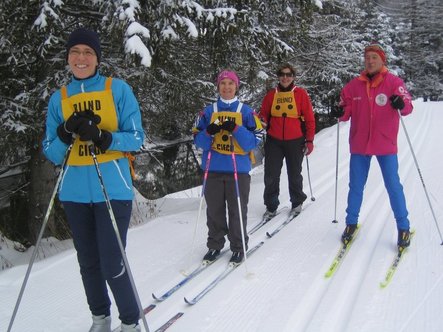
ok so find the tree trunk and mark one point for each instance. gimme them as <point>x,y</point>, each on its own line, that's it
<point>43,177</point>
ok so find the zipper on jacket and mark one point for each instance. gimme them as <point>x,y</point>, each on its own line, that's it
<point>284,115</point>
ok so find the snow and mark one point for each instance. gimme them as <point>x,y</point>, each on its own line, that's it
<point>261,74</point>
<point>319,4</point>
<point>130,11</point>
<point>137,28</point>
<point>288,291</point>
<point>134,45</point>
<point>192,29</point>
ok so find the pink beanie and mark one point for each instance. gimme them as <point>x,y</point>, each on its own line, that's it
<point>228,74</point>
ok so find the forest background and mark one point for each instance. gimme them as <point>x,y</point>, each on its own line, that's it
<point>170,52</point>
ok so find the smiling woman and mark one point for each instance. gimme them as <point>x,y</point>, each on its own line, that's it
<point>287,112</point>
<point>84,53</point>
<point>227,131</point>
<point>82,61</point>
<point>92,123</point>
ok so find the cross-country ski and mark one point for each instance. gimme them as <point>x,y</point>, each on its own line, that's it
<point>289,291</point>
<point>230,267</point>
<point>394,265</point>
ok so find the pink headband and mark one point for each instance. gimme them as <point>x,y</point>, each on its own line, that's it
<point>373,47</point>
<point>228,74</point>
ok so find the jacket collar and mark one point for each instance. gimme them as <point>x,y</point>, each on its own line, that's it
<point>86,82</point>
<point>287,89</point>
<point>375,80</point>
<point>224,104</point>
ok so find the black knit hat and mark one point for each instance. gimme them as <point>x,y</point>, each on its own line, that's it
<point>86,37</point>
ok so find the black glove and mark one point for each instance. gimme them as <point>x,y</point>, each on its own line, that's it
<point>397,102</point>
<point>213,129</point>
<point>229,125</point>
<point>90,115</point>
<point>71,125</point>
<point>337,112</point>
<point>64,136</point>
<point>88,131</point>
<point>104,141</point>
<point>74,122</point>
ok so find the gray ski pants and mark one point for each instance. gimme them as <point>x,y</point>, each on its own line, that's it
<point>220,192</point>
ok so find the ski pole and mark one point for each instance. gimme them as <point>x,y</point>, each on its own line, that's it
<point>309,179</point>
<point>117,234</point>
<point>205,177</point>
<point>237,190</point>
<point>42,230</point>
<point>419,173</point>
<point>202,196</point>
<point>336,173</point>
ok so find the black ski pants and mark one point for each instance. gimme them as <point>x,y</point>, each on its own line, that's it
<point>275,151</point>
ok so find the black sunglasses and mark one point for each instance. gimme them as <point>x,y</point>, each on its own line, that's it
<point>285,74</point>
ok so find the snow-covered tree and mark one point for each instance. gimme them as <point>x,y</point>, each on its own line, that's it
<point>170,52</point>
<point>421,46</point>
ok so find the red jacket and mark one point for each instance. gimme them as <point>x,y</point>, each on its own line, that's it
<point>289,128</point>
<point>374,122</point>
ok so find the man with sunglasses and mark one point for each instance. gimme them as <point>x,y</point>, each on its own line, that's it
<point>287,114</point>
<point>373,101</point>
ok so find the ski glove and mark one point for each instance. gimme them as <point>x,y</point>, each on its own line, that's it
<point>309,147</point>
<point>397,102</point>
<point>229,125</point>
<point>78,118</point>
<point>337,112</point>
<point>105,140</point>
<point>90,115</point>
<point>65,136</point>
<point>213,129</point>
<point>69,127</point>
<point>74,122</point>
<point>89,131</point>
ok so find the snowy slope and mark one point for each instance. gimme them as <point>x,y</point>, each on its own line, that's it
<point>287,290</point>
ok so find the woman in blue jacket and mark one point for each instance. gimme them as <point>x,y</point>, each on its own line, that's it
<point>224,127</point>
<point>102,111</point>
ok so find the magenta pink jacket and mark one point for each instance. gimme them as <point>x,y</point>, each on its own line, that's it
<point>374,122</point>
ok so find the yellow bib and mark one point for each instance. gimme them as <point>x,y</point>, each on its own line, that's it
<point>222,141</point>
<point>284,105</point>
<point>102,104</point>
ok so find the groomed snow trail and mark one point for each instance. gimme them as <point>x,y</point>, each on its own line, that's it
<point>288,291</point>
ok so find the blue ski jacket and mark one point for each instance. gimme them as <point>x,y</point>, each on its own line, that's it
<point>248,136</point>
<point>81,183</point>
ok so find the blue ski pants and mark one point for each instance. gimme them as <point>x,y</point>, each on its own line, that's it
<point>100,257</point>
<point>358,175</point>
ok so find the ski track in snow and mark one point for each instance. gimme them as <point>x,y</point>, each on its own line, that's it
<point>288,291</point>
<point>327,305</point>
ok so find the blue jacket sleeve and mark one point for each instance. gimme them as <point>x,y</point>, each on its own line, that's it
<point>201,137</point>
<point>53,148</point>
<point>129,136</point>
